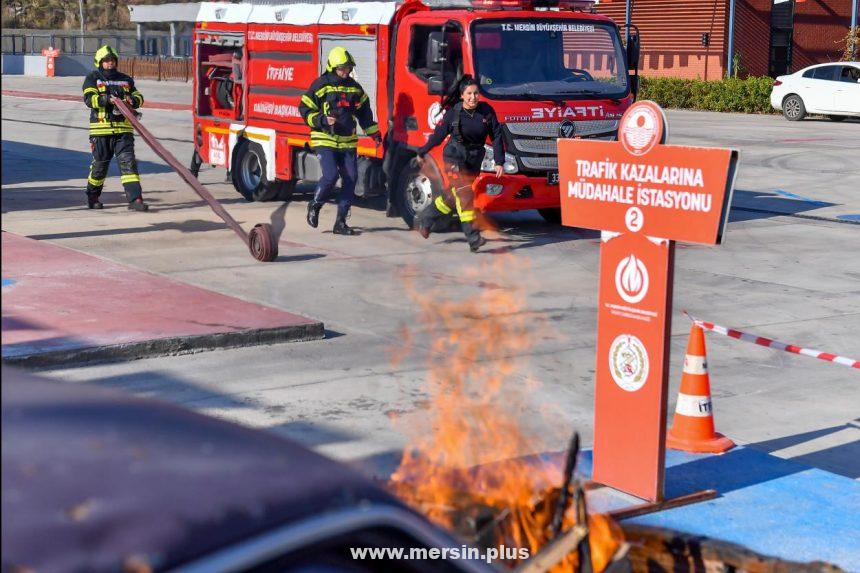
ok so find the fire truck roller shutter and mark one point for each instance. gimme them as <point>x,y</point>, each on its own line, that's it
<point>363,50</point>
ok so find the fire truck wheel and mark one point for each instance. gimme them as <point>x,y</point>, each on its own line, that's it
<point>551,215</point>
<point>249,174</point>
<point>414,191</point>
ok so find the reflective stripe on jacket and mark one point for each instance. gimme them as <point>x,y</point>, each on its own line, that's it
<point>341,98</point>
<point>103,118</point>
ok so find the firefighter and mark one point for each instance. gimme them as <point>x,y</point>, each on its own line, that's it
<point>111,134</point>
<point>469,123</point>
<point>330,107</point>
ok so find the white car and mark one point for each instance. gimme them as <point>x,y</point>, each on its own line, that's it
<point>829,89</point>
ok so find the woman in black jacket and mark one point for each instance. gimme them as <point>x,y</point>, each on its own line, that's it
<point>469,123</point>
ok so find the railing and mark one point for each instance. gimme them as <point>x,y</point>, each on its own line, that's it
<point>67,44</point>
<point>151,45</point>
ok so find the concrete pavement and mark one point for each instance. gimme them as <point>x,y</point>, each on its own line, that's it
<point>788,270</point>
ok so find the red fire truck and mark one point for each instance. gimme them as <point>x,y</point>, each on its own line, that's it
<point>550,70</point>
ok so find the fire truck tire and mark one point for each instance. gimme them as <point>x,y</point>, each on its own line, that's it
<point>249,174</point>
<point>551,215</point>
<point>413,192</point>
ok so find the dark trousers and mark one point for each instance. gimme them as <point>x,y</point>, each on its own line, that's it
<point>105,148</point>
<point>336,163</point>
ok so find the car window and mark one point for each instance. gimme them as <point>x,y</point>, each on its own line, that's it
<point>824,72</point>
<point>850,74</point>
<point>809,73</point>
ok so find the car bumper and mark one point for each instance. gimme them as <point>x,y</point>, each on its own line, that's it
<point>514,193</point>
<point>776,100</point>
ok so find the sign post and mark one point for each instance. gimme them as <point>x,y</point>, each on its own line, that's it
<point>644,195</point>
<point>50,53</point>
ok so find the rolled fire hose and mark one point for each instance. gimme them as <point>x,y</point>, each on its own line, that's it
<point>260,241</point>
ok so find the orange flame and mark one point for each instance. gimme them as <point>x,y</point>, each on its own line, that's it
<point>469,464</point>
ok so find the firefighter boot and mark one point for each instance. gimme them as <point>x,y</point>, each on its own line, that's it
<point>473,235</point>
<point>138,205</point>
<point>341,228</point>
<point>93,202</point>
<point>314,214</point>
<point>423,224</point>
<point>425,219</point>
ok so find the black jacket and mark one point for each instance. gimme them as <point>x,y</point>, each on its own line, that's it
<point>474,128</point>
<point>345,100</point>
<point>98,86</point>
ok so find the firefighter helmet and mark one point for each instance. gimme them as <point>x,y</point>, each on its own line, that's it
<point>339,57</point>
<point>105,52</point>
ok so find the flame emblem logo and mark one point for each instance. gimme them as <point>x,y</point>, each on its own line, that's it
<point>631,279</point>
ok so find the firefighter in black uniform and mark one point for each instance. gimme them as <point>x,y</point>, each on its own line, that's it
<point>330,107</point>
<point>469,123</point>
<point>111,134</point>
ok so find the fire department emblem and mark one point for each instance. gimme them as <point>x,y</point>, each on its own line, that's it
<point>642,127</point>
<point>631,279</point>
<point>628,362</point>
<point>566,129</point>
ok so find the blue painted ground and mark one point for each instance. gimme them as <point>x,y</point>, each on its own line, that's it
<point>8,282</point>
<point>797,197</point>
<point>773,506</point>
<point>849,217</point>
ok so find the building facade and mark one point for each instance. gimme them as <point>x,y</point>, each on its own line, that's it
<point>689,38</point>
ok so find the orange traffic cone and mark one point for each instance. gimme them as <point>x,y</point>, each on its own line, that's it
<point>693,427</point>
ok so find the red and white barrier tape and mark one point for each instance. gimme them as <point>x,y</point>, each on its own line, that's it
<point>762,341</point>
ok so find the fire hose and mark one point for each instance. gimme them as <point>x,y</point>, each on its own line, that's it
<point>260,241</point>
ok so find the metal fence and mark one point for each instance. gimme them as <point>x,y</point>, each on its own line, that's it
<point>150,45</point>
<point>34,43</point>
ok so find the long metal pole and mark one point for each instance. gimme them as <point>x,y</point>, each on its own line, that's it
<point>81,10</point>
<point>628,10</point>
<point>730,52</point>
<point>853,14</point>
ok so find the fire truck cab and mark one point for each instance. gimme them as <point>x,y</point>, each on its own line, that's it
<point>551,70</point>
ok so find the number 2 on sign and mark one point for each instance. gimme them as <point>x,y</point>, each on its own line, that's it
<point>634,219</point>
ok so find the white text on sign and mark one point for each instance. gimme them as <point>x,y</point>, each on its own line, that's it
<point>637,193</point>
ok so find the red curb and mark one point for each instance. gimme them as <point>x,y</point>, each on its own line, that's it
<point>64,97</point>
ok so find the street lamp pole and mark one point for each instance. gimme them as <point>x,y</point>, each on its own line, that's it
<point>731,43</point>
<point>628,9</point>
<point>81,10</point>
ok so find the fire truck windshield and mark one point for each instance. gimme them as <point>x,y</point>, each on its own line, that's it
<point>532,59</point>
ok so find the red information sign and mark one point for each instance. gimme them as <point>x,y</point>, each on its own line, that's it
<point>50,53</point>
<point>669,191</point>
<point>636,189</point>
<point>632,354</point>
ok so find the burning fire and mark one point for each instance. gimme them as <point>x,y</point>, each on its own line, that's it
<point>467,472</point>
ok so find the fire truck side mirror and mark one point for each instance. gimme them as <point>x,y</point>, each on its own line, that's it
<point>436,50</point>
<point>435,85</point>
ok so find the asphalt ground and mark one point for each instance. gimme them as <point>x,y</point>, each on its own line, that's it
<point>789,270</point>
